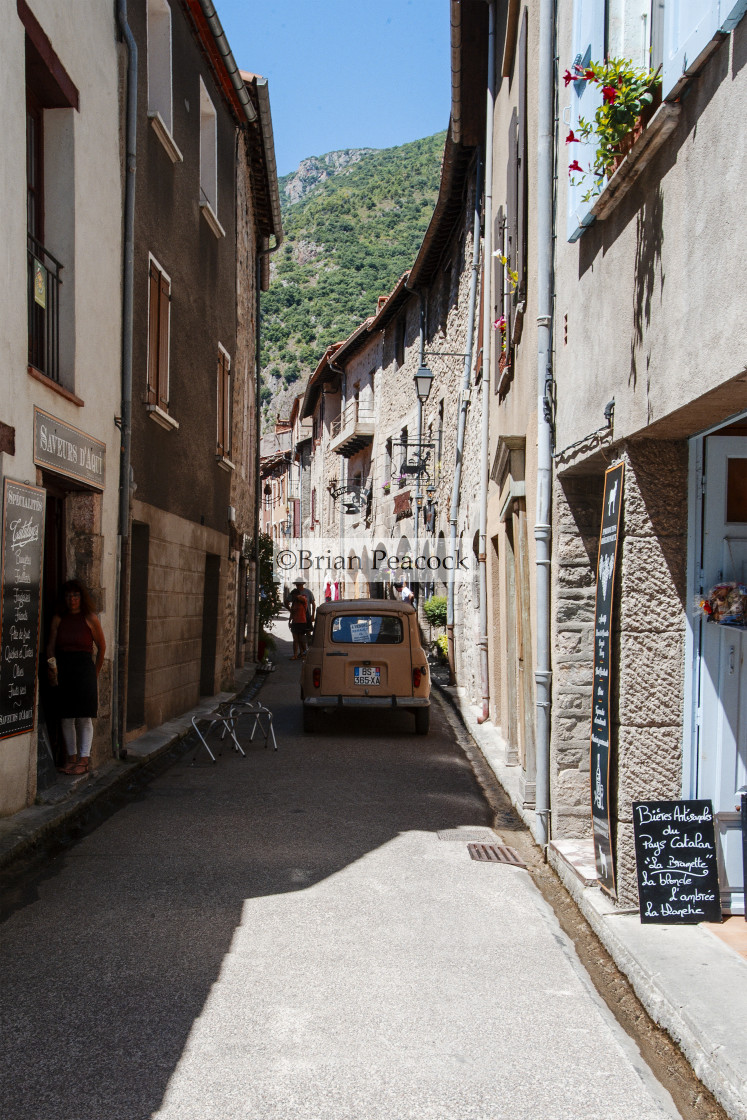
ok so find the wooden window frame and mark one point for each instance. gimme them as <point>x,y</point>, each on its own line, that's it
<point>224,389</point>
<point>159,338</point>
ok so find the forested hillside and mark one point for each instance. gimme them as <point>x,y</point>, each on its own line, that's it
<point>353,223</point>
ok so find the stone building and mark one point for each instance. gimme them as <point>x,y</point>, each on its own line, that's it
<point>596,291</point>
<point>60,336</point>
<point>388,471</point>
<point>646,376</point>
<point>206,208</point>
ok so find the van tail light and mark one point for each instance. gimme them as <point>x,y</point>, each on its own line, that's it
<point>416,675</point>
<point>317,678</point>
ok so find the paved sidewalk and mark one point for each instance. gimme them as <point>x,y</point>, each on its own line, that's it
<point>691,982</point>
<point>58,806</point>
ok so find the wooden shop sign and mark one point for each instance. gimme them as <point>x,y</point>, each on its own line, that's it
<point>675,852</point>
<point>20,598</point>
<point>603,668</point>
<point>66,450</point>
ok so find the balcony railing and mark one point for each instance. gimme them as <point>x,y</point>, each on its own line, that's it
<point>352,429</point>
<point>44,309</point>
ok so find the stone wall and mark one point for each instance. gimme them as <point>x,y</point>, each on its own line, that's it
<point>650,629</point>
<point>577,516</point>
<point>176,583</point>
<point>646,696</point>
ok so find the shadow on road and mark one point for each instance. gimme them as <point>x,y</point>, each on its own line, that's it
<point>107,965</point>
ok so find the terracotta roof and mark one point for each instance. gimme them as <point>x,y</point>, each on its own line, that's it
<point>321,374</point>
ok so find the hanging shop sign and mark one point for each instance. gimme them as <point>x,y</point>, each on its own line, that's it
<point>66,450</point>
<point>20,598</point>
<point>603,668</point>
<point>675,852</point>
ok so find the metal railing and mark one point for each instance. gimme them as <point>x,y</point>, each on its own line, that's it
<point>353,413</point>
<point>44,309</point>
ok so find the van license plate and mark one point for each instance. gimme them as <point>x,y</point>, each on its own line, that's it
<point>366,675</point>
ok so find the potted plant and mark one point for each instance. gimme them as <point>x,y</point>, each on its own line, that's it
<point>386,487</point>
<point>628,100</point>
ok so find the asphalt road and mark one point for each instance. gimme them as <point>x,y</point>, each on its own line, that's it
<point>288,936</point>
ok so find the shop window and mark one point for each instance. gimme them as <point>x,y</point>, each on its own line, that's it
<point>159,331</point>
<point>225,409</point>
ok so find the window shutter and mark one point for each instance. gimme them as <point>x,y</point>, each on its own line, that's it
<point>689,29</point>
<point>153,328</point>
<point>221,418</point>
<point>588,46</point>
<point>478,361</point>
<point>164,307</point>
<point>226,413</point>
<point>521,212</point>
<point>498,281</point>
<point>512,219</point>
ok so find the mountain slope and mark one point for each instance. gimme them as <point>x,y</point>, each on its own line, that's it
<point>353,221</point>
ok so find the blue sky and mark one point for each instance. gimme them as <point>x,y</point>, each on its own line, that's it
<point>344,73</point>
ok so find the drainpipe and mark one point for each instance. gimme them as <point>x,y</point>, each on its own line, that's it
<point>462,422</point>
<point>128,273</point>
<point>257,456</point>
<point>543,527</point>
<point>486,341</point>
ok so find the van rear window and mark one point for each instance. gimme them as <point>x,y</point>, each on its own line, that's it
<point>367,629</point>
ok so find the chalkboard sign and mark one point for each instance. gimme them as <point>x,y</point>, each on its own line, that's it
<point>675,851</point>
<point>20,587</point>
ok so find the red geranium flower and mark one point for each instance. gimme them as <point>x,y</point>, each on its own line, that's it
<point>575,166</point>
<point>571,138</point>
<point>610,94</point>
<point>568,78</point>
<point>589,74</point>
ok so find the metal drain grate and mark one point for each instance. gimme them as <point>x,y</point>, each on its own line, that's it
<point>469,835</point>
<point>495,853</point>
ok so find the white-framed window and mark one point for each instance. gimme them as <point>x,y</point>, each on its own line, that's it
<point>159,63</point>
<point>209,161</point>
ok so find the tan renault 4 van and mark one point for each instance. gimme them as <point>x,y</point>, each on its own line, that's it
<point>366,653</point>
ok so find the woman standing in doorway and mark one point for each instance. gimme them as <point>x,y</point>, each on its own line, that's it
<point>74,631</point>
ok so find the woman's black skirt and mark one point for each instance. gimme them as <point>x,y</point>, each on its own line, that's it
<point>78,693</point>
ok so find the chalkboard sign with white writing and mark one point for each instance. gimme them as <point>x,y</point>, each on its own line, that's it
<point>675,851</point>
<point>23,540</point>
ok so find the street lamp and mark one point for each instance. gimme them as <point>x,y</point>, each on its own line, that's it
<point>423,380</point>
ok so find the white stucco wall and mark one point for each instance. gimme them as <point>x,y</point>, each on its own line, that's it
<point>83,210</point>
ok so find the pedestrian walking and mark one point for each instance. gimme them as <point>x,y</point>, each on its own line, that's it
<point>302,608</point>
<point>75,630</point>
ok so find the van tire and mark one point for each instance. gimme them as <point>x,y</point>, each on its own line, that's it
<point>422,720</point>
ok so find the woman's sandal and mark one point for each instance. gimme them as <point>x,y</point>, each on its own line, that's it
<point>82,766</point>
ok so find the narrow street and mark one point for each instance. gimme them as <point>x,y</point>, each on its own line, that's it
<point>300,934</point>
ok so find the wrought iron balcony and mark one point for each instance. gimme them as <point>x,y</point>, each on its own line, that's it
<point>352,430</point>
<point>44,309</point>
